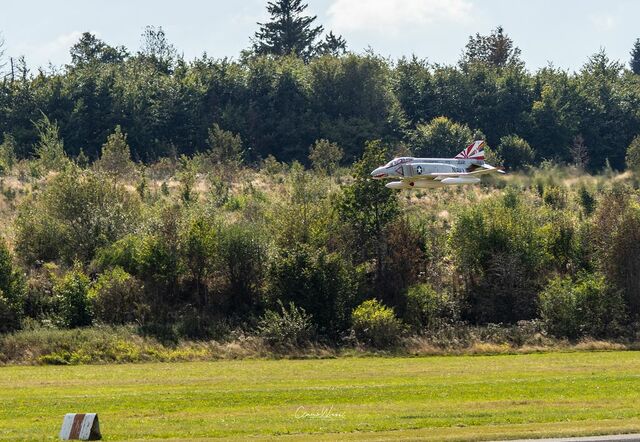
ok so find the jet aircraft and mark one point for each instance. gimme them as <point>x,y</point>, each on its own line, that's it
<point>428,173</point>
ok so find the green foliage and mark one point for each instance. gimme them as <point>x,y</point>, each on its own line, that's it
<point>50,147</point>
<point>242,251</point>
<point>116,297</point>
<point>442,137</point>
<point>587,200</point>
<point>321,283</point>
<point>7,153</point>
<point>291,32</point>
<point>325,156</point>
<point>633,155</point>
<point>116,156</point>
<point>427,309</point>
<point>187,175</point>
<point>496,49</point>
<point>367,204</point>
<point>586,307</point>
<point>515,152</point>
<point>617,244</point>
<point>225,148</point>
<point>12,291</point>
<point>376,325</point>
<point>634,64</point>
<point>286,329</point>
<point>499,245</point>
<point>555,197</point>
<point>73,216</point>
<point>72,294</point>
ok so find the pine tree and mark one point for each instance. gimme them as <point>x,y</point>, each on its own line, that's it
<point>116,156</point>
<point>50,147</point>
<point>635,57</point>
<point>332,45</point>
<point>288,32</point>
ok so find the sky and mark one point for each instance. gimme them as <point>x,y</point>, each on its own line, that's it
<point>562,32</point>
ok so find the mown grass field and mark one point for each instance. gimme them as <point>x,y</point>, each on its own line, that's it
<point>430,398</point>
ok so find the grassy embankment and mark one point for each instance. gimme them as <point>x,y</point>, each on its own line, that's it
<point>432,398</point>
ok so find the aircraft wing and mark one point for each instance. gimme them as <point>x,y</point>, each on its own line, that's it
<point>482,170</point>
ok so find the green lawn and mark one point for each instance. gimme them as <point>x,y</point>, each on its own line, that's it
<point>438,398</point>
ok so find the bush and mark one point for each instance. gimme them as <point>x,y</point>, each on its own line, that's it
<point>376,325</point>
<point>325,156</point>
<point>319,282</point>
<point>583,308</point>
<point>12,289</point>
<point>617,243</point>
<point>243,259</point>
<point>428,309</point>
<point>77,213</point>
<point>557,306</point>
<point>515,152</point>
<point>116,297</point>
<point>287,328</point>
<point>116,156</point>
<point>502,251</point>
<point>72,292</point>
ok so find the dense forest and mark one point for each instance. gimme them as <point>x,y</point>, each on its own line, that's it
<point>196,199</point>
<point>293,87</point>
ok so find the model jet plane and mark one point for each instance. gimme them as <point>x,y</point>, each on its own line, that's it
<point>427,173</point>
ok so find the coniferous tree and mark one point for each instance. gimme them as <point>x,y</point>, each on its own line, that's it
<point>635,57</point>
<point>288,32</point>
<point>50,147</point>
<point>332,45</point>
<point>116,156</point>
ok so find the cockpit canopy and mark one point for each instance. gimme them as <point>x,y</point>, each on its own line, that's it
<point>397,161</point>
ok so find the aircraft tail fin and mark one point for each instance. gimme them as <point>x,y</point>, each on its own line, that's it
<point>474,151</point>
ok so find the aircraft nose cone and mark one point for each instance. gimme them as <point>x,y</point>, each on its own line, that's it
<point>378,173</point>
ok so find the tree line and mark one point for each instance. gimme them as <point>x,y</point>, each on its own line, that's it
<point>292,87</point>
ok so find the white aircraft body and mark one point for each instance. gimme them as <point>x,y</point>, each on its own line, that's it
<point>428,173</point>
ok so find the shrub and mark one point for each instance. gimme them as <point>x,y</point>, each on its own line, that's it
<point>12,289</point>
<point>515,152</point>
<point>116,156</point>
<point>225,147</point>
<point>116,297</point>
<point>77,213</point>
<point>555,197</point>
<point>376,325</point>
<point>325,156</point>
<point>557,306</point>
<point>50,147</point>
<point>7,153</point>
<point>585,307</point>
<point>243,257</point>
<point>617,243</point>
<point>428,309</point>
<point>501,250</point>
<point>287,328</point>
<point>72,292</point>
<point>319,282</point>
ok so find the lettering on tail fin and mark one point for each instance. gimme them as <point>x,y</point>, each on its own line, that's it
<point>474,151</point>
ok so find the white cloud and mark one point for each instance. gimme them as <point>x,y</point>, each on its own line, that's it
<point>55,50</point>
<point>602,22</point>
<point>394,15</point>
